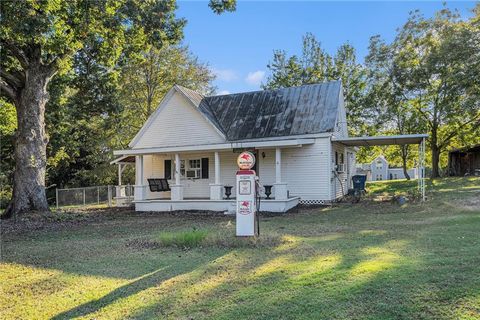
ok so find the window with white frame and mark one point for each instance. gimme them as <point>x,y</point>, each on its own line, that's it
<point>194,170</point>
<point>379,164</point>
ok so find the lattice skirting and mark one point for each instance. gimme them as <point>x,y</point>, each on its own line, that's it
<point>313,202</point>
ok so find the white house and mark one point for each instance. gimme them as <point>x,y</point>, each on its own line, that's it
<point>299,136</point>
<point>379,169</point>
<point>193,141</point>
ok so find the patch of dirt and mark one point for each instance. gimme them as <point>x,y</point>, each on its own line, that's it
<point>56,220</point>
<point>143,244</point>
<point>471,204</point>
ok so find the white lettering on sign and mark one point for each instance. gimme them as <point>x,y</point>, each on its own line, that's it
<point>246,160</point>
<point>245,207</point>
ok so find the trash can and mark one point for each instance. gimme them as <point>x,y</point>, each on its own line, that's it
<point>359,182</point>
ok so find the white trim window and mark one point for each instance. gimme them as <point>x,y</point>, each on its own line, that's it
<point>194,170</point>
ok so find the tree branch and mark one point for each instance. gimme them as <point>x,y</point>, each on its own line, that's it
<point>456,132</point>
<point>16,81</point>
<point>8,90</point>
<point>16,52</point>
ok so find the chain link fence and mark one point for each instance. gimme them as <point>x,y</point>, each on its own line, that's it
<point>98,195</point>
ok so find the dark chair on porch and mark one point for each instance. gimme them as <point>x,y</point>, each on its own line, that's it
<point>158,185</point>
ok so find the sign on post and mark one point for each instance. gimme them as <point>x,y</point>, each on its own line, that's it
<point>246,160</point>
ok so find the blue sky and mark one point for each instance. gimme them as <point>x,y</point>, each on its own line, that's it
<point>239,45</point>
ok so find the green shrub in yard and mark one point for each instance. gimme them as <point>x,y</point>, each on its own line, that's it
<point>184,239</point>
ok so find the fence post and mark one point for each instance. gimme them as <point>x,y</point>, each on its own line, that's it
<point>98,195</point>
<point>83,196</point>
<point>109,196</point>
<point>56,197</point>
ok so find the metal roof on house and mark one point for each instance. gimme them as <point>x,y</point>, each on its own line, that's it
<point>272,113</point>
<point>193,96</point>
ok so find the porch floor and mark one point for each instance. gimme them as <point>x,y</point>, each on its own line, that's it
<point>225,205</point>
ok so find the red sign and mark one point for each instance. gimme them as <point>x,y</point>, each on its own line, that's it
<point>246,160</point>
<point>245,207</point>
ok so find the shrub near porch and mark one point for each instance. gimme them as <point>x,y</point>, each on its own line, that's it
<point>368,261</point>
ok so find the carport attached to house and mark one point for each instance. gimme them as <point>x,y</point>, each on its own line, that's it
<point>418,139</point>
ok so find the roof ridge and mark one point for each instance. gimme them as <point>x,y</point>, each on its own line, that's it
<point>276,89</point>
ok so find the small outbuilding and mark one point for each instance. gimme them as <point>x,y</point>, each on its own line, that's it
<point>464,162</point>
<point>379,169</point>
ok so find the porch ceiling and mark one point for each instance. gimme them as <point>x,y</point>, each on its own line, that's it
<point>124,160</point>
<point>218,147</point>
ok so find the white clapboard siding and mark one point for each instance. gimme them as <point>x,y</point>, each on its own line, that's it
<point>178,124</point>
<point>379,172</point>
<point>194,188</point>
<point>266,168</point>
<point>306,170</point>
<point>341,125</point>
<point>340,178</point>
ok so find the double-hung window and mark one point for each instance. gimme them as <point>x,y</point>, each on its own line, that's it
<point>194,170</point>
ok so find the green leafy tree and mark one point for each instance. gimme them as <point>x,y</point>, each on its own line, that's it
<point>314,66</point>
<point>146,81</point>
<point>398,114</point>
<point>436,68</point>
<point>39,39</point>
<point>8,120</point>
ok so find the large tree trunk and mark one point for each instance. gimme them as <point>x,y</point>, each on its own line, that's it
<point>435,161</point>
<point>30,145</point>
<point>404,161</point>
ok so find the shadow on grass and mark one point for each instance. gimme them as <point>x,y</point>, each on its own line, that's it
<point>370,275</point>
<point>339,265</point>
<point>152,279</point>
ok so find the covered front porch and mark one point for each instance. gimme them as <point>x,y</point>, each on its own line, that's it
<point>201,179</point>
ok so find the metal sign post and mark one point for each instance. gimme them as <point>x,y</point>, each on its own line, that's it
<point>246,188</point>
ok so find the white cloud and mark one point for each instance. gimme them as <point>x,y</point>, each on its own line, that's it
<point>222,92</point>
<point>255,78</point>
<point>226,75</point>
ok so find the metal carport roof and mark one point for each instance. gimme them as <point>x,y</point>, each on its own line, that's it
<point>382,140</point>
<point>394,140</point>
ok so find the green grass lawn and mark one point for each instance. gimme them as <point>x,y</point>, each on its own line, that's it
<point>373,260</point>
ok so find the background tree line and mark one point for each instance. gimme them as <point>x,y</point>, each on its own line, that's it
<point>108,76</point>
<point>427,80</point>
<point>62,67</point>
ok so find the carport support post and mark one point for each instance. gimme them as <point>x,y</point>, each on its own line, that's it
<point>422,169</point>
<point>280,187</point>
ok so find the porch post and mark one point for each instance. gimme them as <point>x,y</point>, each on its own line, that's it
<point>177,188</point>
<point>217,168</point>
<point>216,188</point>
<point>119,191</point>
<point>139,187</point>
<point>280,187</point>
<point>119,174</point>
